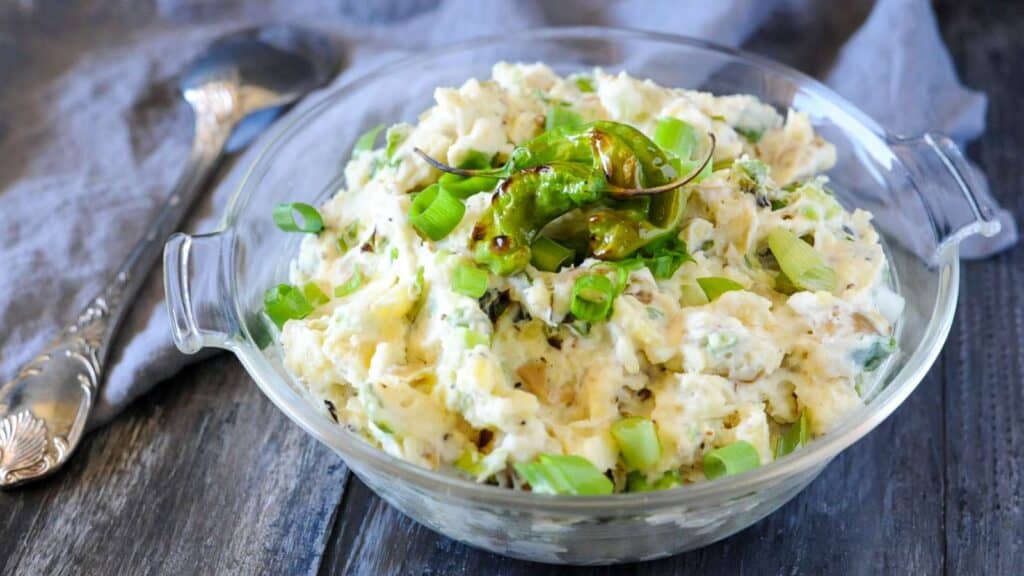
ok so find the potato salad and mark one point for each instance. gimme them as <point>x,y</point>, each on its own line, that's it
<point>585,285</point>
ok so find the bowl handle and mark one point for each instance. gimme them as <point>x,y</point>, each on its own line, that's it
<point>194,273</point>
<point>947,188</point>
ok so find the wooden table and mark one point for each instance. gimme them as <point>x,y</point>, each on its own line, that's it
<point>205,476</point>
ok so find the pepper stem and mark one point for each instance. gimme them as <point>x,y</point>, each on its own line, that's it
<point>616,191</point>
<point>453,170</point>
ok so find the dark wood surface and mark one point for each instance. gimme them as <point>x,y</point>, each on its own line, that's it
<point>205,476</point>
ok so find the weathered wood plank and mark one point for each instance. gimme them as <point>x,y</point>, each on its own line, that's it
<point>984,371</point>
<point>204,476</point>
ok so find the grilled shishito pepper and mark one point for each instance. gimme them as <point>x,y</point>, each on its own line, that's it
<point>593,167</point>
<point>526,202</point>
<point>631,162</point>
<point>615,234</point>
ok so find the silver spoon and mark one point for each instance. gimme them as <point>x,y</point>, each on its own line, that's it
<point>247,76</point>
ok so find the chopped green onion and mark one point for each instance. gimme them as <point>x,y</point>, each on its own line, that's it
<point>469,461</point>
<point>435,212</point>
<point>871,358</point>
<point>715,286</point>
<point>749,134</point>
<point>284,217</point>
<point>717,342</point>
<point>636,481</point>
<point>675,137</point>
<point>469,280</point>
<point>664,266</point>
<point>394,138</point>
<point>418,293</point>
<point>473,338</point>
<point>314,294</point>
<point>638,442</point>
<point>350,285</point>
<point>623,270</point>
<point>784,285</point>
<point>554,474</point>
<point>662,258</point>
<point>798,435</point>
<point>692,295</point>
<point>463,187</point>
<point>560,116</point>
<point>800,262</point>
<point>585,84</point>
<point>285,302</point>
<point>580,327</point>
<point>686,166</point>
<point>365,141</point>
<point>735,458</point>
<point>592,296</point>
<point>548,255</point>
<point>351,234</point>
<point>418,284</point>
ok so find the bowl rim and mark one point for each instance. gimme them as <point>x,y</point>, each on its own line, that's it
<point>816,454</point>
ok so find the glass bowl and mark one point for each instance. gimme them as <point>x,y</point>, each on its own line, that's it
<point>920,187</point>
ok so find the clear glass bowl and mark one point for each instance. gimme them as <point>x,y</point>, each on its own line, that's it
<point>215,283</point>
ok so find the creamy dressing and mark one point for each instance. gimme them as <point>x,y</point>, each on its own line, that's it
<point>426,374</point>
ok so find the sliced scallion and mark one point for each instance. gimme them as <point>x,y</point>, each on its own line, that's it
<point>435,212</point>
<point>692,295</point>
<point>676,137</point>
<point>351,285</point>
<point>311,290</point>
<point>393,139</point>
<point>796,436</point>
<point>469,461</point>
<point>469,280</point>
<point>715,286</point>
<point>749,134</point>
<point>592,296</point>
<point>284,217</point>
<point>548,255</point>
<point>800,262</point>
<point>556,474</point>
<point>473,338</point>
<point>365,141</point>
<point>664,265</point>
<point>585,84</point>
<point>638,442</point>
<point>736,458</point>
<point>636,481</point>
<point>285,302</point>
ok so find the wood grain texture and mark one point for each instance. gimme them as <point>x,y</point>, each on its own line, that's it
<point>203,477</point>
<point>983,367</point>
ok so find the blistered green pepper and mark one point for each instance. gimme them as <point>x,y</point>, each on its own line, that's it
<point>606,167</point>
<point>631,162</point>
<point>523,205</point>
<point>617,234</point>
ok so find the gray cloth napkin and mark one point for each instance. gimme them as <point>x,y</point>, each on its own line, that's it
<point>92,133</point>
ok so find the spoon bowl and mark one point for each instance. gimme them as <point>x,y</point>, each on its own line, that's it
<point>258,72</point>
<point>251,74</point>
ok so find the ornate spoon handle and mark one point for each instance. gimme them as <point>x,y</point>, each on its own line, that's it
<point>43,410</point>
